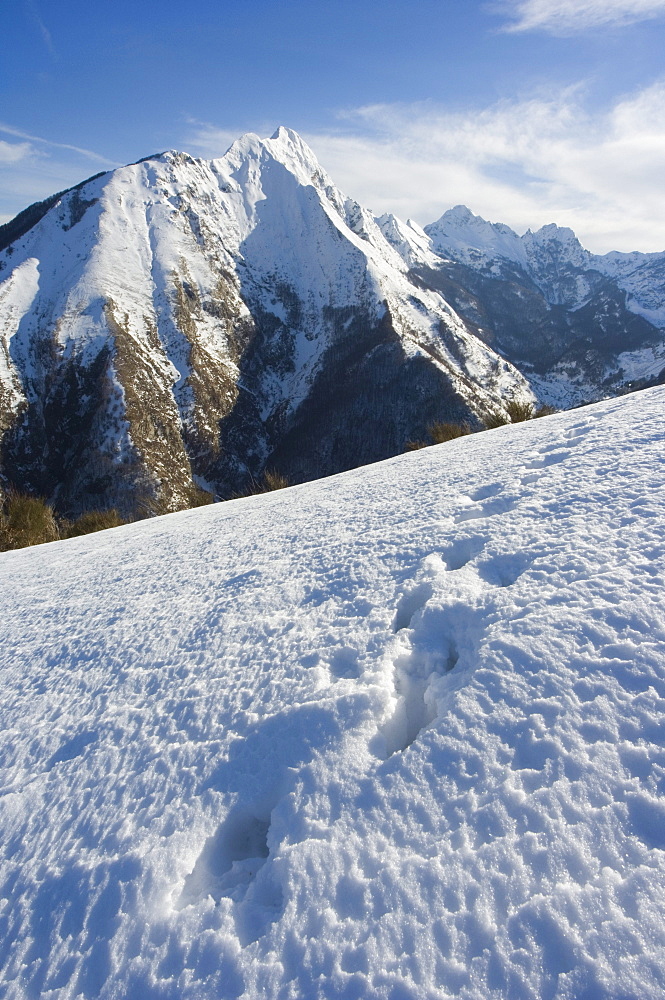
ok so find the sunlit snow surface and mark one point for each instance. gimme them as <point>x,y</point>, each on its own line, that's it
<point>398,734</point>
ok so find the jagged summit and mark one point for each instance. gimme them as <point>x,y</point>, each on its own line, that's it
<point>548,256</point>
<point>579,325</point>
<point>284,145</point>
<point>475,238</point>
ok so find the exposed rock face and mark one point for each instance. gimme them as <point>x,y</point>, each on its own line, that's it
<point>180,323</point>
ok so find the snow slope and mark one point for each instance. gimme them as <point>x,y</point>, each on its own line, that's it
<point>394,734</point>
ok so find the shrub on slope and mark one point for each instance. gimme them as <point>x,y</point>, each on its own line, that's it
<point>26,520</point>
<point>439,432</point>
<point>269,481</point>
<point>92,520</point>
<point>516,411</point>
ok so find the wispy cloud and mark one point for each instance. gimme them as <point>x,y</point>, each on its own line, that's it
<point>88,153</point>
<point>14,152</point>
<point>41,27</point>
<point>565,17</point>
<point>210,141</point>
<point>34,168</point>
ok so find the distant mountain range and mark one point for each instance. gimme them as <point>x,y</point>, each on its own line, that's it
<point>578,325</point>
<point>181,324</point>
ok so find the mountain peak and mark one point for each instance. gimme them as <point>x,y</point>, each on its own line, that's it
<point>459,231</point>
<point>460,212</point>
<point>284,146</point>
<point>285,133</point>
<point>551,231</point>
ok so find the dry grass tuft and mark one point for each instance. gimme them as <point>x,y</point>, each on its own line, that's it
<point>441,431</point>
<point>26,520</point>
<point>92,520</point>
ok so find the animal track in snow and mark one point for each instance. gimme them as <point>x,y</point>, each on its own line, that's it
<point>411,602</point>
<point>229,860</point>
<point>428,647</point>
<point>236,866</point>
<point>444,636</point>
<point>554,446</point>
<point>503,570</point>
<point>462,551</point>
<point>485,492</point>
<point>416,705</point>
<point>575,433</point>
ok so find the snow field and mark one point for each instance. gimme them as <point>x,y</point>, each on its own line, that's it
<point>394,734</point>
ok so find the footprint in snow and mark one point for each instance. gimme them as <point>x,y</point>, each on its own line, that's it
<point>548,458</point>
<point>411,602</point>
<point>485,492</point>
<point>555,446</point>
<point>575,434</point>
<point>462,551</point>
<point>503,570</point>
<point>497,505</point>
<point>229,866</point>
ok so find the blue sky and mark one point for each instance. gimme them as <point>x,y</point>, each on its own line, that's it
<point>528,111</point>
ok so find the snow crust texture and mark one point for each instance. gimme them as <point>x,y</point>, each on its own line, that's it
<point>395,734</point>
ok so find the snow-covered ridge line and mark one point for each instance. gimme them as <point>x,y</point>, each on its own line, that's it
<point>180,323</point>
<point>393,733</point>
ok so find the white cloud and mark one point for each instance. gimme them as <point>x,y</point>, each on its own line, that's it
<point>563,17</point>
<point>525,163</point>
<point>14,152</point>
<point>35,168</point>
<point>209,141</point>
<point>41,27</point>
<point>87,153</point>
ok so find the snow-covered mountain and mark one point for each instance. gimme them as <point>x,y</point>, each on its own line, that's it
<point>180,322</point>
<point>579,325</point>
<point>179,325</point>
<point>393,734</point>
